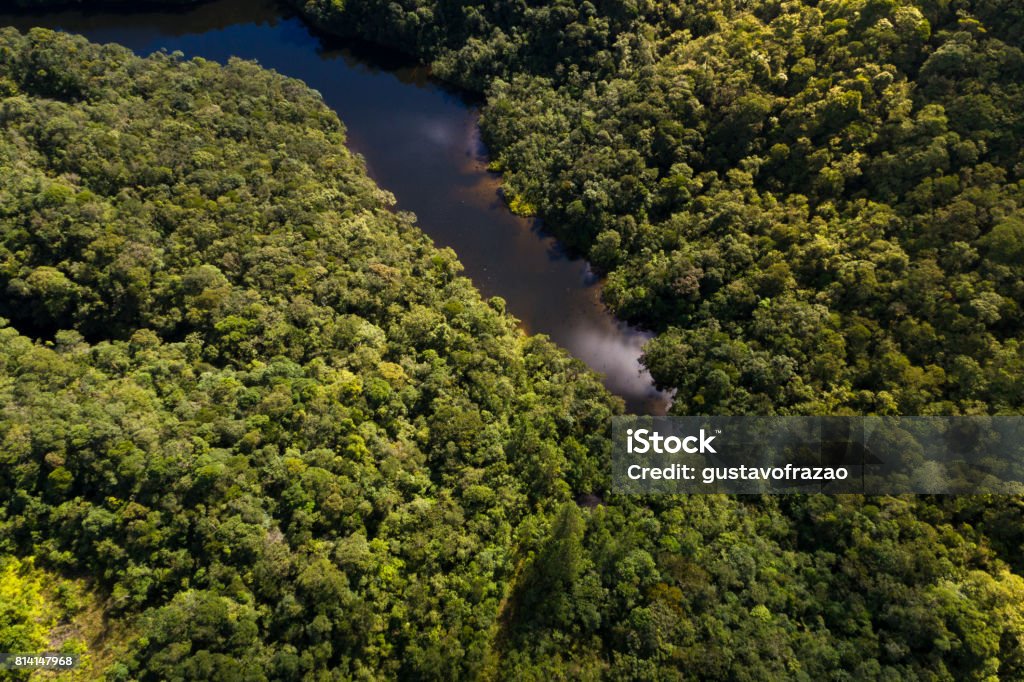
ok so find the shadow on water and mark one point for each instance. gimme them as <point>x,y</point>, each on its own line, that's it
<point>421,141</point>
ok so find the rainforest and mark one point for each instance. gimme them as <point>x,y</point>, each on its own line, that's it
<point>259,422</point>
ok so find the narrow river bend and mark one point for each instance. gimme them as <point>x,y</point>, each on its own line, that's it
<point>420,141</point>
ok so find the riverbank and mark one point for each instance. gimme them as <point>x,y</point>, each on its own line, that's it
<point>420,141</point>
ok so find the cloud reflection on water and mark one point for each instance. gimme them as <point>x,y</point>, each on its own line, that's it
<point>421,142</point>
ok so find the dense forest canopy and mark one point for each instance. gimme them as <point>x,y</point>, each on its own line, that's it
<point>818,205</point>
<point>244,393</point>
<point>286,440</point>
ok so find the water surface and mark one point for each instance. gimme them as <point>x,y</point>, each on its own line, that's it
<point>420,141</point>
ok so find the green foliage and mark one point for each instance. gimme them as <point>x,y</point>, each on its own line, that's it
<point>24,620</point>
<point>807,588</point>
<point>261,408</point>
<point>40,612</point>
<point>815,204</point>
<point>291,442</point>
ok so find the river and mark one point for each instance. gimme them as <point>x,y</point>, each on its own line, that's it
<point>421,142</point>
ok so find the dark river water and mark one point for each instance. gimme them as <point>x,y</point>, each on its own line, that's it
<point>421,142</point>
